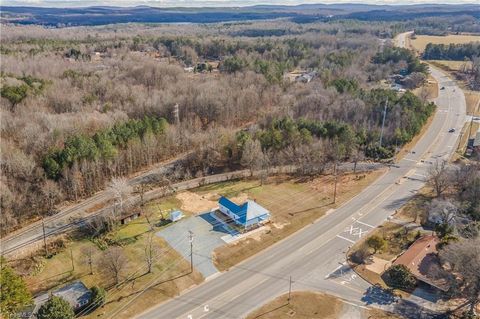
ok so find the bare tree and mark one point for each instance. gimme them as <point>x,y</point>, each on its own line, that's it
<point>114,262</point>
<point>438,177</point>
<point>151,252</point>
<point>463,260</point>
<point>120,189</point>
<point>252,155</point>
<point>442,211</point>
<point>88,252</point>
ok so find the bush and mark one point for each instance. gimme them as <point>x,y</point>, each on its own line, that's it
<point>56,308</point>
<point>360,255</point>
<point>398,276</point>
<point>98,297</point>
<point>376,242</point>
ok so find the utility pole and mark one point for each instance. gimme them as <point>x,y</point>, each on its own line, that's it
<point>190,239</point>
<point>289,289</point>
<point>44,238</point>
<point>383,121</point>
<point>335,187</point>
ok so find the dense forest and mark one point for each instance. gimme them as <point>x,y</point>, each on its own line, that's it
<point>82,105</point>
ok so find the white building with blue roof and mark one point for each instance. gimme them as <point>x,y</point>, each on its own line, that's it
<point>249,214</point>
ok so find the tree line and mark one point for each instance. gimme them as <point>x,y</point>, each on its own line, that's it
<point>452,51</point>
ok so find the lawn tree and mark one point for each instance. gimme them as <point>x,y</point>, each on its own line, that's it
<point>376,242</point>
<point>120,189</point>
<point>14,295</point>
<point>462,258</point>
<point>439,177</point>
<point>252,155</point>
<point>114,262</point>
<point>398,276</point>
<point>151,251</point>
<point>56,308</point>
<point>88,253</point>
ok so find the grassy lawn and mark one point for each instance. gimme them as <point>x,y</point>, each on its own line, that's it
<point>292,203</point>
<point>139,290</point>
<point>421,41</point>
<point>304,304</point>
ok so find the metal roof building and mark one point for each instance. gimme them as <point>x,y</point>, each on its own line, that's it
<point>247,215</point>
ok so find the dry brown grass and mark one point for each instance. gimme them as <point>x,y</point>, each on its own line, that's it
<point>452,65</point>
<point>472,99</point>
<point>293,205</point>
<point>421,41</point>
<point>305,304</point>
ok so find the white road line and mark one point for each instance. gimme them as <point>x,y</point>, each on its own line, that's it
<point>411,160</point>
<point>365,224</point>
<point>339,236</point>
<point>333,271</point>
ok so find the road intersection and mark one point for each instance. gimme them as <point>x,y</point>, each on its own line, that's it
<point>315,256</point>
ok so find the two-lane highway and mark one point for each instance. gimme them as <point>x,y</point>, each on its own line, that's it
<point>314,255</point>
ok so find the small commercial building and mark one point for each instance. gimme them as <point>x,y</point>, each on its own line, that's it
<point>247,215</point>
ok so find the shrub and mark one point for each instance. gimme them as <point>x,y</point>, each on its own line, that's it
<point>56,308</point>
<point>376,242</point>
<point>398,276</point>
<point>98,297</point>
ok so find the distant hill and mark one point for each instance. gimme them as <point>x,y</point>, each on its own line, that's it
<point>102,15</point>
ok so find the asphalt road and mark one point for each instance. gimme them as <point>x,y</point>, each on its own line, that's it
<point>315,256</point>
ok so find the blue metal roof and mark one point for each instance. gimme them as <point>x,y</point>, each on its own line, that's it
<point>245,212</point>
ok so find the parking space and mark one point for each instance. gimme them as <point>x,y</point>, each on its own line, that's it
<point>207,235</point>
<point>355,231</point>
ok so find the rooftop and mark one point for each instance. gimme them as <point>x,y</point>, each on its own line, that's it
<point>245,212</point>
<point>420,257</point>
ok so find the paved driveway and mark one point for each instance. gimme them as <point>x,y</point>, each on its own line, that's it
<point>207,236</point>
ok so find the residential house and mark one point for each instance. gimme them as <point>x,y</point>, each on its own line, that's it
<point>248,215</point>
<point>76,294</point>
<point>419,258</point>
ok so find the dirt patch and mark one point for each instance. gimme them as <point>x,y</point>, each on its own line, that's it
<point>199,203</point>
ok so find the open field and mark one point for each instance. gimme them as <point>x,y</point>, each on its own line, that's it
<point>473,102</point>
<point>304,304</point>
<point>450,66</point>
<point>292,203</point>
<point>421,41</point>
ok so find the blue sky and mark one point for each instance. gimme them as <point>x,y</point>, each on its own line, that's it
<point>209,3</point>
